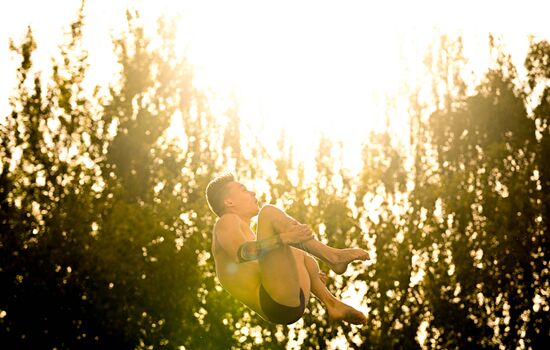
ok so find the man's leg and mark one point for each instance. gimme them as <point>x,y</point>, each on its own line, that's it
<point>337,259</point>
<point>280,276</point>
<point>337,310</point>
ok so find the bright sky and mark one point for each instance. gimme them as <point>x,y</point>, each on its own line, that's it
<point>308,67</point>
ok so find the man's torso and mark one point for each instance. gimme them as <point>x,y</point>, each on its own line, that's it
<point>241,280</point>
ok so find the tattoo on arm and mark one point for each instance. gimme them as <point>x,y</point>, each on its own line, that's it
<point>254,250</point>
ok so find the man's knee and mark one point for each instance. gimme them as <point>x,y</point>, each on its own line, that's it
<point>274,217</point>
<point>269,211</point>
<point>299,255</point>
<point>311,263</point>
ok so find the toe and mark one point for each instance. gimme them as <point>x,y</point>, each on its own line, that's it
<point>361,319</point>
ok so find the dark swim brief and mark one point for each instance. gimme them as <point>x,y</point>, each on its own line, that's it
<point>281,314</point>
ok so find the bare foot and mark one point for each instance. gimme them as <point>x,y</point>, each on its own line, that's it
<point>343,257</point>
<point>342,312</point>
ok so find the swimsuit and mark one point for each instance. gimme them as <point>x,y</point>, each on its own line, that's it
<point>281,314</point>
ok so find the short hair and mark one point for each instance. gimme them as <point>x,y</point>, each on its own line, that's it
<point>216,191</point>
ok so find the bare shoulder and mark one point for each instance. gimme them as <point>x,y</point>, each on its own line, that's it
<point>228,222</point>
<point>229,234</point>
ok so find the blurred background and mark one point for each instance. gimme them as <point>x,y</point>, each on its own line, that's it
<point>418,130</point>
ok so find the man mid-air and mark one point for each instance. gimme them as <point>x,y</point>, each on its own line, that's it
<point>270,271</point>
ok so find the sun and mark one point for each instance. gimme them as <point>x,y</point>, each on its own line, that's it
<point>306,70</point>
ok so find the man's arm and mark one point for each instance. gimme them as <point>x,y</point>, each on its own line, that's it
<point>294,235</point>
<point>233,240</point>
<point>254,250</point>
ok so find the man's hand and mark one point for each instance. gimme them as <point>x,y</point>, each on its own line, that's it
<point>296,233</point>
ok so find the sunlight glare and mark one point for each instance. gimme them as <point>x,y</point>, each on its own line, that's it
<point>310,68</point>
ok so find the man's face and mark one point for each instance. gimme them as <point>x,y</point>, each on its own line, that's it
<point>240,199</point>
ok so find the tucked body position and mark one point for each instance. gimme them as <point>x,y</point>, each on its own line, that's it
<point>272,271</point>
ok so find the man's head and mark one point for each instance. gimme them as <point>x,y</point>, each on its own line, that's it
<point>224,194</point>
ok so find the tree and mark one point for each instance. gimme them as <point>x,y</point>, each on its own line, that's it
<point>486,159</point>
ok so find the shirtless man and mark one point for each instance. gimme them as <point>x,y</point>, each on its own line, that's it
<point>269,271</point>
